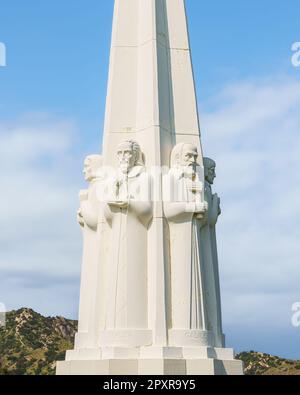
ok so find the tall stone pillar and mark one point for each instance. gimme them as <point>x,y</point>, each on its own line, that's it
<point>149,313</point>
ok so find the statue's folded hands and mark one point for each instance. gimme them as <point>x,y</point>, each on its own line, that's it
<point>122,204</point>
<point>80,218</point>
<point>201,208</point>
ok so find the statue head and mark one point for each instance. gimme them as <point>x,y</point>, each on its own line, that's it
<point>129,155</point>
<point>92,163</point>
<point>185,155</point>
<point>209,170</point>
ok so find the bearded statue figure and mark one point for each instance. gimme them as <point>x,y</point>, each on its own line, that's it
<point>185,208</point>
<point>128,212</point>
<point>210,255</point>
<point>88,217</point>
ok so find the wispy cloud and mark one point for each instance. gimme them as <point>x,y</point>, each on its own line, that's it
<point>40,179</point>
<point>252,129</point>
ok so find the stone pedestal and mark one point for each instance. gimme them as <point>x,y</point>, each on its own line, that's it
<point>151,361</point>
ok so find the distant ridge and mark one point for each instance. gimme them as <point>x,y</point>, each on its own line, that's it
<point>31,344</point>
<point>258,363</point>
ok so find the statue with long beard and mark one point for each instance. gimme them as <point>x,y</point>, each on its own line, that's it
<point>185,208</point>
<point>128,211</point>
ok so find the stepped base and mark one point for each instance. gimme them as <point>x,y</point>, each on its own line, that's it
<point>151,361</point>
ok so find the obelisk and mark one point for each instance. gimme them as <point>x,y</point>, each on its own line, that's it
<point>150,280</point>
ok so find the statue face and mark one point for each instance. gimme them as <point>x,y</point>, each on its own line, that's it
<point>87,170</point>
<point>211,174</point>
<point>92,164</point>
<point>126,157</point>
<point>189,157</point>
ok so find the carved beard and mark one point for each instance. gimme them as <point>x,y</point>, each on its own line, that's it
<point>88,175</point>
<point>210,178</point>
<point>190,170</point>
<point>124,167</point>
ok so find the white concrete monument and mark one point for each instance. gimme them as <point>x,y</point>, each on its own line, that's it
<point>150,293</point>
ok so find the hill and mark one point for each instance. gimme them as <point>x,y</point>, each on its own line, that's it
<point>258,363</point>
<point>30,344</point>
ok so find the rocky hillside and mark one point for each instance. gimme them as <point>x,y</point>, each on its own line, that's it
<point>257,363</point>
<point>30,344</point>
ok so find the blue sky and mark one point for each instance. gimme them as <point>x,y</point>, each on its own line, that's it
<point>58,51</point>
<point>52,100</point>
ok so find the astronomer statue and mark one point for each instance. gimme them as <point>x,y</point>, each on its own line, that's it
<point>185,208</point>
<point>128,211</point>
<point>210,255</point>
<point>87,217</point>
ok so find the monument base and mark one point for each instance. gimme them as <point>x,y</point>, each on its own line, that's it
<point>151,361</point>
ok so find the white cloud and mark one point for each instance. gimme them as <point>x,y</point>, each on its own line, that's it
<point>40,178</point>
<point>252,129</point>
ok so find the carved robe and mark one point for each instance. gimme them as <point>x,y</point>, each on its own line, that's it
<point>127,298</point>
<point>187,282</point>
<point>211,269</point>
<point>90,207</point>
